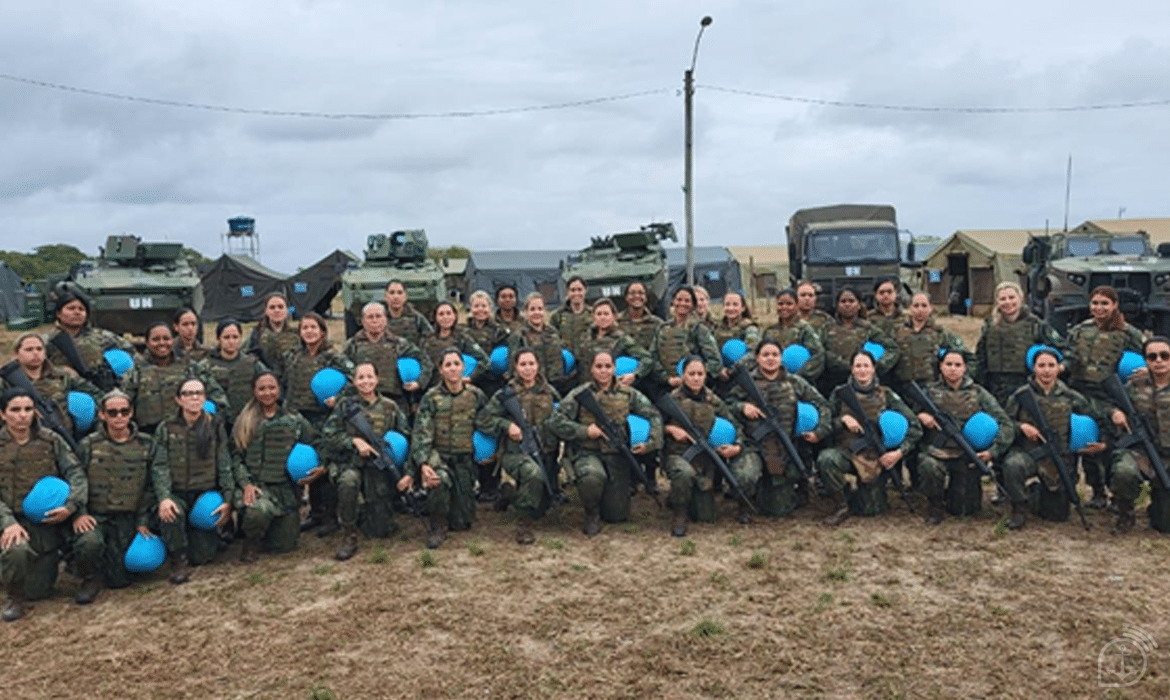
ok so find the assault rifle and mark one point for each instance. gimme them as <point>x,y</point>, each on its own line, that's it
<point>50,413</point>
<point>102,376</point>
<point>1140,433</point>
<point>1049,446</point>
<point>871,438</point>
<point>952,431</point>
<point>671,410</point>
<point>530,442</point>
<point>617,439</point>
<point>383,460</point>
<point>771,424</point>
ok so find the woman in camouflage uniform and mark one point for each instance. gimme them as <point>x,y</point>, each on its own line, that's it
<point>766,457</point>
<point>507,313</point>
<point>939,459</point>
<point>274,334</point>
<point>402,319</point>
<point>156,375</point>
<point>116,459</point>
<point>73,313</point>
<point>847,334</point>
<point>51,383</point>
<point>488,333</point>
<point>1148,392</point>
<point>447,334</point>
<point>887,313</point>
<point>791,329</point>
<point>1095,347</point>
<point>603,476</point>
<point>374,344</point>
<point>190,457</point>
<point>264,435</point>
<point>545,341</point>
<point>696,475</point>
<point>232,369</point>
<point>736,324</point>
<point>573,319</point>
<point>442,450</point>
<point>606,335</point>
<point>919,340</point>
<point>187,326</point>
<point>637,319</point>
<point>867,464</point>
<point>679,337</point>
<point>702,310</point>
<point>30,552</point>
<point>806,302</point>
<point>364,492</point>
<point>1001,353</point>
<point>536,398</point>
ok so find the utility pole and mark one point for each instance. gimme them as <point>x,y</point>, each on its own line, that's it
<point>688,144</point>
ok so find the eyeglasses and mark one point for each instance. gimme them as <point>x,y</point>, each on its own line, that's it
<point>191,392</point>
<point>1155,356</point>
<point>116,412</point>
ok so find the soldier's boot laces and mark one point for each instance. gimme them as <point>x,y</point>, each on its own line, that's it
<point>592,521</point>
<point>13,608</point>
<point>935,511</point>
<point>1099,499</point>
<point>251,551</point>
<point>524,530</point>
<point>180,570</point>
<point>678,525</point>
<point>436,531</point>
<point>840,511</point>
<point>90,587</point>
<point>1125,517</point>
<point>349,544</point>
<point>1019,516</point>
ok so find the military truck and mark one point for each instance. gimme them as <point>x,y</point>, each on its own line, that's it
<point>401,256</point>
<point>132,284</point>
<point>1063,268</point>
<point>611,262</point>
<point>844,245</point>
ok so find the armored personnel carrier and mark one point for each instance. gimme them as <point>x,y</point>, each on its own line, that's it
<point>610,262</point>
<point>131,284</point>
<point>1064,268</point>
<point>401,256</point>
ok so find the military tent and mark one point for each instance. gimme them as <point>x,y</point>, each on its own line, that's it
<point>962,272</point>
<point>716,269</point>
<point>11,294</point>
<point>235,286</point>
<point>313,288</point>
<point>527,270</point>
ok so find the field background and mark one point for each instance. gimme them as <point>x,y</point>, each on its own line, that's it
<point>879,608</point>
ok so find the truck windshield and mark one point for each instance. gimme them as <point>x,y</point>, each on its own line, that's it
<point>853,246</point>
<point>1083,247</point>
<point>1129,245</point>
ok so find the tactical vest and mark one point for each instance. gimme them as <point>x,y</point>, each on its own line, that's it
<point>117,473</point>
<point>872,402</point>
<point>406,325</point>
<point>1056,409</point>
<point>384,355</point>
<point>844,341</point>
<point>673,345</point>
<point>643,330</point>
<point>434,346</point>
<point>157,388</point>
<point>537,406</point>
<point>780,393</point>
<point>1006,345</point>
<point>299,370</point>
<point>235,377</point>
<point>274,345</point>
<point>616,404</point>
<point>591,344</point>
<point>488,336</point>
<point>1155,406</point>
<point>919,359</point>
<point>189,471</point>
<point>51,387</point>
<point>724,332</point>
<point>1097,354</point>
<point>454,421</point>
<point>574,328</point>
<point>267,454</point>
<point>90,344</point>
<point>960,404</point>
<point>547,344</point>
<point>22,466</point>
<point>783,336</point>
<point>701,413</point>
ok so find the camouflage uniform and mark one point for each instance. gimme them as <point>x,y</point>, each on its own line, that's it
<point>54,385</point>
<point>365,494</point>
<point>272,519</point>
<point>888,323</point>
<point>602,475</point>
<point>643,329</point>
<point>490,335</point>
<point>1132,466</point>
<point>1025,461</point>
<point>548,346</point>
<point>442,438</point>
<point>775,495</point>
<point>300,368</point>
<point>819,319</point>
<point>573,327</point>
<point>433,345</point>
<point>940,458</point>
<point>800,333</point>
<point>90,342</point>
<point>745,329</point>
<point>384,354</point>
<point>672,343</point>
<point>536,402</point>
<point>197,351</point>
<point>29,570</point>
<point>181,474</point>
<point>152,388</point>
<point>1092,356</point>
<point>270,346</point>
<point>690,477</point>
<point>515,324</point>
<point>617,343</point>
<point>410,324</point>
<point>837,461</point>
<point>119,500</point>
<point>235,378</point>
<point>1002,350</point>
<point>918,351</point>
<point>842,341</point>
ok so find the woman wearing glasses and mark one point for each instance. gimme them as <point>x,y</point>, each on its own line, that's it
<point>1148,392</point>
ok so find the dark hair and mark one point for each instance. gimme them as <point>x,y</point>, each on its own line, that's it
<point>605,301</point>
<point>576,278</point>
<point>1116,320</point>
<point>524,349</point>
<point>435,313</point>
<point>150,329</point>
<point>626,289</point>
<point>688,359</point>
<point>689,290</point>
<point>864,352</point>
<point>202,424</point>
<point>768,341</point>
<point>224,324</point>
<point>944,351</point>
<point>747,310</point>
<point>786,292</point>
<point>319,320</point>
<point>1154,339</point>
<point>883,280</point>
<point>504,286</point>
<point>850,290</point>
<point>14,393</point>
<point>373,366</point>
<point>183,311</point>
<point>68,296</point>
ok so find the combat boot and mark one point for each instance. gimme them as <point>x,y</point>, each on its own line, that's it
<point>1019,516</point>
<point>90,587</point>
<point>312,520</point>
<point>1125,516</point>
<point>349,544</point>
<point>678,525</point>
<point>504,497</point>
<point>592,521</point>
<point>935,511</point>
<point>180,570</point>
<point>840,511</point>
<point>13,608</point>
<point>436,531</point>
<point>524,530</point>
<point>743,514</point>
<point>251,551</point>
<point>1099,499</point>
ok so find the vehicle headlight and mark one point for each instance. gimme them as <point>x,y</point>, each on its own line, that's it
<point>1078,280</point>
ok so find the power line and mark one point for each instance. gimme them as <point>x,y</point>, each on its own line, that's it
<point>927,108</point>
<point>459,114</point>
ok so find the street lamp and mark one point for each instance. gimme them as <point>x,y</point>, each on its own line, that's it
<point>689,93</point>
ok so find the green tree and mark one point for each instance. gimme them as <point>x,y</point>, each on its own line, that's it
<point>51,259</point>
<point>455,251</point>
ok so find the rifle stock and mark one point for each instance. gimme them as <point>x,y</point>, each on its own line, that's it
<point>1049,442</point>
<point>102,376</point>
<point>50,414</point>
<point>771,424</point>
<point>1141,433</point>
<point>670,409</point>
<point>617,439</point>
<point>530,441</point>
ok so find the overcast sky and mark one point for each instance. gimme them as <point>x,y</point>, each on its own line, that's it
<point>76,168</point>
